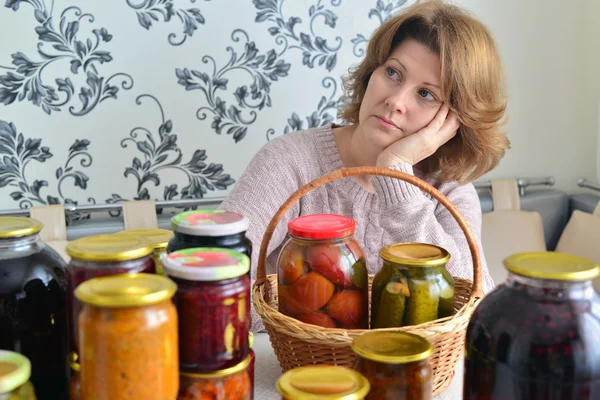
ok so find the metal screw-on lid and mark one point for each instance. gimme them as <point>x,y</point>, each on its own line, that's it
<point>392,347</point>
<point>13,227</point>
<point>15,370</point>
<point>323,382</point>
<point>415,254</point>
<point>209,223</point>
<point>552,266</point>
<point>109,248</point>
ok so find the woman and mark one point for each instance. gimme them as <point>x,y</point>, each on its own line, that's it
<point>428,100</point>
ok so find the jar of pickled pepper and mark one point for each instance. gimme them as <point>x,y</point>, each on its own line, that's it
<point>322,273</point>
<point>229,384</point>
<point>158,238</point>
<point>323,382</point>
<point>537,335</point>
<point>396,364</point>
<point>128,338</point>
<point>15,370</point>
<point>412,287</point>
<point>213,304</point>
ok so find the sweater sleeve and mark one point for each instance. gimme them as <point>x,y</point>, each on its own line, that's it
<point>269,180</point>
<point>411,215</point>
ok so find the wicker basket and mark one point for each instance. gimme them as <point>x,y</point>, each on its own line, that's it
<point>298,344</point>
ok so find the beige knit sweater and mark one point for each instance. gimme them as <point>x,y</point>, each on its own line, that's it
<point>396,212</point>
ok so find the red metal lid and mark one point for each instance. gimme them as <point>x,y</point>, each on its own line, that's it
<point>322,226</point>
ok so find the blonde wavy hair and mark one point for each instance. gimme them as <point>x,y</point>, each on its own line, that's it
<point>472,84</point>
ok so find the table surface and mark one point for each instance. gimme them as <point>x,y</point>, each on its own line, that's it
<point>268,371</point>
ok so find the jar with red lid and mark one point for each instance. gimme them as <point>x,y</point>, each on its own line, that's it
<point>322,273</point>
<point>537,335</point>
<point>213,304</point>
<point>210,228</point>
<point>102,255</point>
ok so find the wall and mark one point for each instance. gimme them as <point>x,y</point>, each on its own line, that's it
<point>170,99</point>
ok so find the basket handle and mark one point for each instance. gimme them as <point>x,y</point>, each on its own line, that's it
<point>378,171</point>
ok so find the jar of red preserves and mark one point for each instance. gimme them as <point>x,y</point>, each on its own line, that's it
<point>322,273</point>
<point>212,300</point>
<point>537,335</point>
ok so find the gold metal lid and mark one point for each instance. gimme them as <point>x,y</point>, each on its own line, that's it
<point>109,248</point>
<point>15,370</point>
<point>13,227</point>
<point>158,238</point>
<point>392,347</point>
<point>553,266</point>
<point>126,290</point>
<point>415,254</point>
<point>221,373</point>
<point>324,382</point>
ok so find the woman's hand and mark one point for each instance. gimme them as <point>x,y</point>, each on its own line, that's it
<point>420,145</point>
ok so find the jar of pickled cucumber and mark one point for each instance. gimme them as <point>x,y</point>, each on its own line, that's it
<point>412,287</point>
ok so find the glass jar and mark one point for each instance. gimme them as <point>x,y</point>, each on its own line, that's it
<point>412,287</point>
<point>158,238</point>
<point>537,335</point>
<point>396,364</point>
<point>128,338</point>
<point>213,303</point>
<point>252,362</point>
<point>229,384</point>
<point>102,255</point>
<point>33,305</point>
<point>322,273</point>
<point>15,370</point>
<point>210,228</point>
<point>322,382</point>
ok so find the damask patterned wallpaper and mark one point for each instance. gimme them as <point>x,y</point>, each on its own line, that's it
<point>106,100</point>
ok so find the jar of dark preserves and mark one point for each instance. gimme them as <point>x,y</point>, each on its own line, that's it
<point>210,228</point>
<point>33,305</point>
<point>537,335</point>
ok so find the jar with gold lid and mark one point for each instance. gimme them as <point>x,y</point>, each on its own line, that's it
<point>228,384</point>
<point>103,255</point>
<point>128,338</point>
<point>15,370</point>
<point>33,304</point>
<point>537,335</point>
<point>396,364</point>
<point>323,382</point>
<point>412,287</point>
<point>158,238</point>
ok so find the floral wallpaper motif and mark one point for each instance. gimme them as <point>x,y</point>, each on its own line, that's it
<point>164,99</point>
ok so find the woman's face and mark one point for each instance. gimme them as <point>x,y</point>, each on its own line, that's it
<point>403,95</point>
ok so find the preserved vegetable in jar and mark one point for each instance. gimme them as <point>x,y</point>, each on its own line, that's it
<point>323,382</point>
<point>396,364</point>
<point>536,336</point>
<point>128,338</point>
<point>229,384</point>
<point>412,287</point>
<point>33,305</point>
<point>322,273</point>
<point>213,304</point>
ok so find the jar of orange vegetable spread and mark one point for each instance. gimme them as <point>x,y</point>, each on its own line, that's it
<point>322,273</point>
<point>15,370</point>
<point>396,364</point>
<point>128,338</point>
<point>227,384</point>
<point>158,239</point>
<point>322,382</point>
